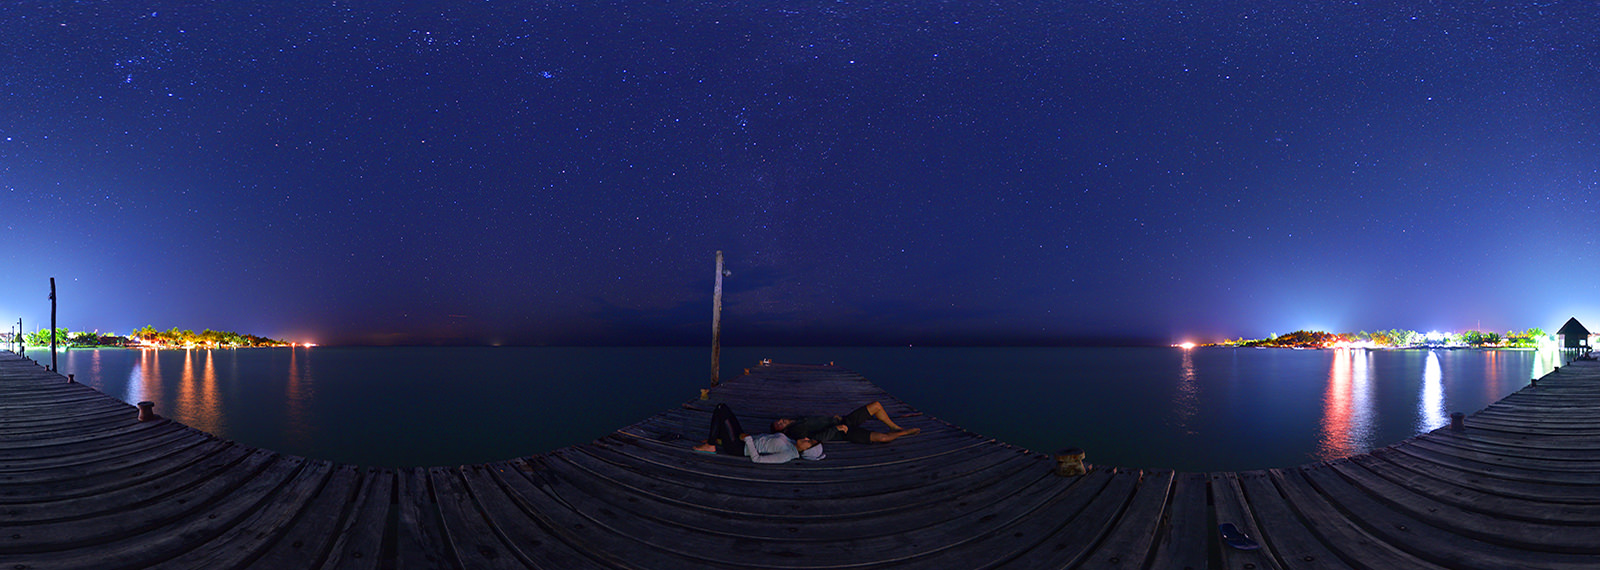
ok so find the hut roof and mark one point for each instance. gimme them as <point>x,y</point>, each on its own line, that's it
<point>1573,328</point>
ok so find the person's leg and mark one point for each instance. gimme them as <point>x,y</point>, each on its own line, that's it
<point>718,417</point>
<point>857,434</point>
<point>876,437</point>
<point>725,428</point>
<point>857,416</point>
<point>876,410</point>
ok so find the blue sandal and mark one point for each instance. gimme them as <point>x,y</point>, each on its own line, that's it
<point>1232,536</point>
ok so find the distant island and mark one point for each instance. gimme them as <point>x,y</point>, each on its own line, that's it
<point>150,337</point>
<point>1395,338</point>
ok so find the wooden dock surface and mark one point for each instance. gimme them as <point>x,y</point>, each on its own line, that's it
<point>83,484</point>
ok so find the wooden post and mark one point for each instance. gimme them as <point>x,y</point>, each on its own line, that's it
<point>1458,421</point>
<point>147,411</point>
<point>716,324</point>
<point>53,367</point>
<point>71,379</point>
<point>1069,462</point>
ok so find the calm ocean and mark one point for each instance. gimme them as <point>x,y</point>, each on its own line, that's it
<point>1204,409</point>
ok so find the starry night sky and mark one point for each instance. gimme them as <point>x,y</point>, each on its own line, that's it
<point>1000,172</point>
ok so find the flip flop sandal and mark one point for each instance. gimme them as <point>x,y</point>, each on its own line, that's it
<point>1232,536</point>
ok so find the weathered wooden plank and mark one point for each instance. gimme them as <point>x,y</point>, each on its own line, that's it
<point>1183,544</point>
<point>311,532</point>
<point>1469,523</point>
<point>55,400</point>
<point>1465,474</point>
<point>359,542</point>
<point>1001,546</point>
<point>830,517</point>
<point>129,542</point>
<point>1551,459</point>
<point>58,502</point>
<point>717,538</point>
<point>421,541</point>
<point>1583,485</point>
<point>1573,417</point>
<point>80,522</point>
<point>1072,542</point>
<point>250,535</point>
<point>68,444</point>
<point>1295,545</point>
<point>1483,498</point>
<point>1230,507</point>
<point>1446,548</point>
<point>102,411</point>
<point>158,442</point>
<point>530,486</point>
<point>1003,473</point>
<point>518,524</point>
<point>1133,532</point>
<point>91,478</point>
<point>1531,439</point>
<point>476,543</point>
<point>1348,539</point>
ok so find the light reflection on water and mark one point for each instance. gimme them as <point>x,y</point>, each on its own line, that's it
<point>298,391</point>
<point>1430,404</point>
<point>1347,417</point>
<point>1492,373</point>
<point>1186,402</point>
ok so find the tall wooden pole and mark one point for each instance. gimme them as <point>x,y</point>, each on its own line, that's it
<point>53,325</point>
<point>716,325</point>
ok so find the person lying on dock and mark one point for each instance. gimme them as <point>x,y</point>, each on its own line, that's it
<point>846,427</point>
<point>729,438</point>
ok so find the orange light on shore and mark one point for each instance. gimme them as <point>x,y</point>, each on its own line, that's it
<point>1186,345</point>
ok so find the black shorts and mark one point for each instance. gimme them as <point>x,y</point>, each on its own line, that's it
<point>854,420</point>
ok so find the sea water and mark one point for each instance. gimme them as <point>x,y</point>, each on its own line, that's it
<point>1204,409</point>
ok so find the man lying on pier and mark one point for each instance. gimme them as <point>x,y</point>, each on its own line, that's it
<point>728,437</point>
<point>847,427</point>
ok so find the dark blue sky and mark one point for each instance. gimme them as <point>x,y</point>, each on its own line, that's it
<point>876,173</point>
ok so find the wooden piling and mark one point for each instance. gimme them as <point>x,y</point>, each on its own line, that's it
<point>53,366</point>
<point>716,323</point>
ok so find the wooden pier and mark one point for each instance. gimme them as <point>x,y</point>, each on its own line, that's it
<point>84,484</point>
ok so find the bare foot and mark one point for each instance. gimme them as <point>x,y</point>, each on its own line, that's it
<point>893,435</point>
